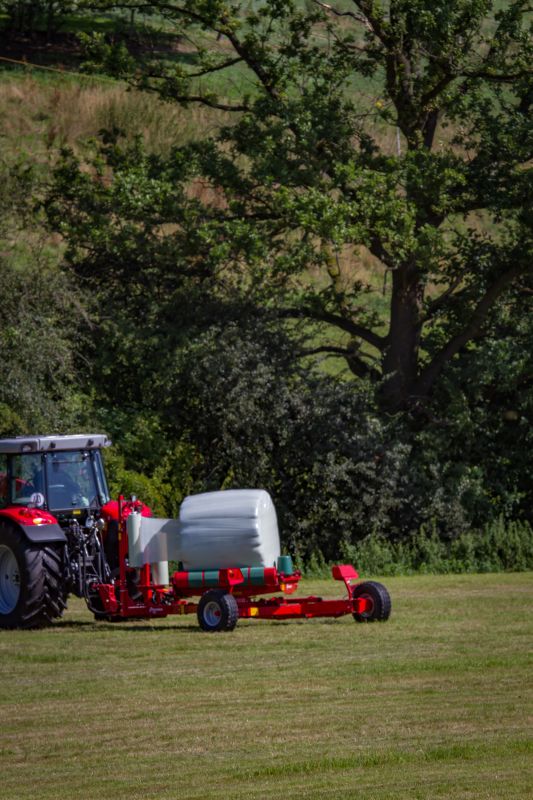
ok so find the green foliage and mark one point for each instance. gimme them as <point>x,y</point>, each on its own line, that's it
<point>258,423</point>
<point>11,423</point>
<point>130,482</point>
<point>37,328</point>
<point>98,51</point>
<point>25,16</point>
<point>40,316</point>
<point>146,463</point>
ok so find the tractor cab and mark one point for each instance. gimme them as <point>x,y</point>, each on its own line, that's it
<point>63,475</point>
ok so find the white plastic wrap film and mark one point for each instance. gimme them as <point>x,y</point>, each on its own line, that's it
<point>133,528</point>
<point>160,574</point>
<point>158,540</point>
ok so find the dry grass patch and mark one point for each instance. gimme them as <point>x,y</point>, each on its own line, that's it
<point>42,115</point>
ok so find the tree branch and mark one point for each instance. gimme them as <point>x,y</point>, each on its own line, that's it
<point>332,350</point>
<point>357,365</point>
<point>190,98</point>
<point>430,373</point>
<point>503,77</point>
<point>337,321</point>
<point>377,250</point>
<point>441,84</point>
<point>376,25</point>
<point>337,13</point>
<point>253,63</point>
<point>440,301</point>
<point>209,70</point>
<point>221,26</point>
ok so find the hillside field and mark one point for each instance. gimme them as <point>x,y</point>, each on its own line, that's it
<point>435,703</point>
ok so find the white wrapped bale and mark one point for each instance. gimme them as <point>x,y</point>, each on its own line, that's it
<point>235,528</point>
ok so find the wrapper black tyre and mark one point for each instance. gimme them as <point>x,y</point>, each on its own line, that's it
<point>42,595</point>
<point>217,611</point>
<point>380,602</point>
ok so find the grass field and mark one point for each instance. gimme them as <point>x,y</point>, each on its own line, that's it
<point>432,704</point>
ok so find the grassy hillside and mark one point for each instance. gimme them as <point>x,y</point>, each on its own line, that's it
<point>42,111</point>
<point>432,704</point>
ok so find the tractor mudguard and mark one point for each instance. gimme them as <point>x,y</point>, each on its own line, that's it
<point>40,534</point>
<point>39,527</point>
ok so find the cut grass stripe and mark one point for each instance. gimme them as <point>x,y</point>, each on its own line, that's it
<point>457,752</point>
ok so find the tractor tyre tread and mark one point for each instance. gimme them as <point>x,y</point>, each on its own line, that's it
<point>43,593</point>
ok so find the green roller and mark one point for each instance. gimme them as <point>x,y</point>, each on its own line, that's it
<point>199,579</point>
<point>254,576</point>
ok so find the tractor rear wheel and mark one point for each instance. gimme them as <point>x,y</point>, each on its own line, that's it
<point>217,611</point>
<point>32,585</point>
<point>378,601</point>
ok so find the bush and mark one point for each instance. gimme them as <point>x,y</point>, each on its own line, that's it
<point>498,546</point>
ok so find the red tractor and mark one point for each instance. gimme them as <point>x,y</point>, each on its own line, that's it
<point>61,533</point>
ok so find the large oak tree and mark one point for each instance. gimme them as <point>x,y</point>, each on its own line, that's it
<point>371,178</point>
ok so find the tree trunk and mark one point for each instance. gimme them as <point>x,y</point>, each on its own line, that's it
<point>400,360</point>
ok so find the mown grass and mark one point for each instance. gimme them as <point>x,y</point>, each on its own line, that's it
<point>432,704</point>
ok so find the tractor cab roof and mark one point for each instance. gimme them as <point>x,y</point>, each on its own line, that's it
<point>46,444</point>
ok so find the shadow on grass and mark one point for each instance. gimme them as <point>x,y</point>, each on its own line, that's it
<point>130,626</point>
<point>133,626</point>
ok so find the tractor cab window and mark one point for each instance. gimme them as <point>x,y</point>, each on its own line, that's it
<point>103,491</point>
<point>71,481</point>
<point>27,485</point>
<point>3,481</point>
